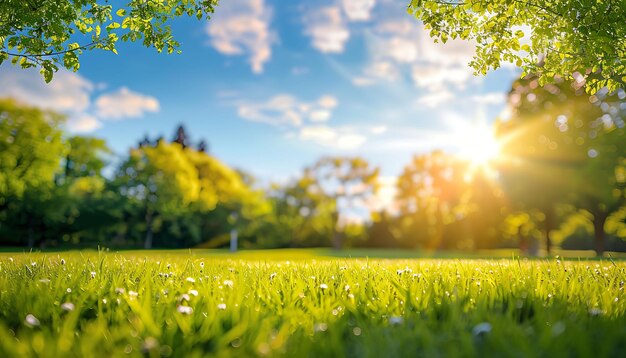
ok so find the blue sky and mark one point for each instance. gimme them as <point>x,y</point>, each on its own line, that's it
<point>274,85</point>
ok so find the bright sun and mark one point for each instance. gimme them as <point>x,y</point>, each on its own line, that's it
<point>477,143</point>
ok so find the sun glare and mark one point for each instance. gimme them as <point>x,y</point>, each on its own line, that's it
<point>481,147</point>
<point>476,143</point>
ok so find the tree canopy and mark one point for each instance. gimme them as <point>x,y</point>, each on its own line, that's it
<point>49,34</point>
<point>548,37</point>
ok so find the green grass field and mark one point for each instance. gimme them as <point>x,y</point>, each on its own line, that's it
<point>307,303</point>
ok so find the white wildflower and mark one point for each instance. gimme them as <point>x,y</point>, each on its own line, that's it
<point>193,292</point>
<point>229,283</point>
<point>191,279</point>
<point>324,286</point>
<point>185,309</point>
<point>93,274</point>
<point>133,294</point>
<point>221,306</point>
<point>67,306</point>
<point>31,321</point>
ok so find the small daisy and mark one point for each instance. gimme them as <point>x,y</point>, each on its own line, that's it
<point>191,279</point>
<point>221,306</point>
<point>185,309</point>
<point>67,306</point>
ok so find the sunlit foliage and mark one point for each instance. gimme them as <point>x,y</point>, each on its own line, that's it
<point>552,38</point>
<point>48,34</point>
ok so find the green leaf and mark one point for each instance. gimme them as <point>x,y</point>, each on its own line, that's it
<point>47,74</point>
<point>121,12</point>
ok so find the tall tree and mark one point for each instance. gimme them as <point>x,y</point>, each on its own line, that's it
<point>562,146</point>
<point>31,147</point>
<point>549,38</point>
<point>347,181</point>
<point>86,157</point>
<point>162,179</point>
<point>181,137</point>
<point>430,192</point>
<point>48,34</point>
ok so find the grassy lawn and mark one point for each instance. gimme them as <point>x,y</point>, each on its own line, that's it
<point>307,303</point>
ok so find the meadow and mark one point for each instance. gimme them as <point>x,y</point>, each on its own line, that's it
<point>304,303</point>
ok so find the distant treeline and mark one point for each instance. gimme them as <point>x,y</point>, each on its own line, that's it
<point>559,178</point>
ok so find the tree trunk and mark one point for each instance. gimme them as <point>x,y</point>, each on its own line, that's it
<point>598,232</point>
<point>31,232</point>
<point>523,242</point>
<point>548,227</point>
<point>336,239</point>
<point>148,242</point>
<point>31,237</point>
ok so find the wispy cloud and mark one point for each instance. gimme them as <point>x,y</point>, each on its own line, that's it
<point>358,10</point>
<point>327,28</point>
<point>72,94</point>
<point>337,138</point>
<point>69,92</point>
<point>83,123</point>
<point>242,27</point>
<point>287,110</point>
<point>125,103</point>
<point>493,98</point>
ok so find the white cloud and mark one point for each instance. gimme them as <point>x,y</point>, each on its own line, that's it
<point>284,109</point>
<point>434,77</point>
<point>493,98</point>
<point>337,138</point>
<point>327,28</point>
<point>358,10</point>
<point>71,94</point>
<point>125,104</point>
<point>328,102</point>
<point>320,116</point>
<point>242,27</point>
<point>378,129</point>
<point>320,134</point>
<point>399,45</point>
<point>83,123</point>
<point>68,92</point>
<point>435,97</point>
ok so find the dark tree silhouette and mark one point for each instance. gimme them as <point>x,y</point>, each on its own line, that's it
<point>181,137</point>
